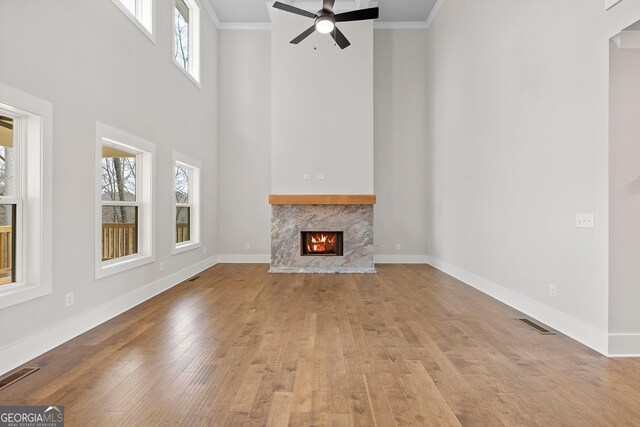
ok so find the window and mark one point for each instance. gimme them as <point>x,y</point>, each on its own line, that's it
<point>120,206</point>
<point>187,37</point>
<point>186,196</point>
<point>10,195</point>
<point>25,197</point>
<point>140,13</point>
<point>124,217</point>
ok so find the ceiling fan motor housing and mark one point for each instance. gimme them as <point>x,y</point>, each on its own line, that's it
<point>324,15</point>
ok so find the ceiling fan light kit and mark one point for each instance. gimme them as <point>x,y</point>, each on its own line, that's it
<point>324,21</point>
<point>325,24</point>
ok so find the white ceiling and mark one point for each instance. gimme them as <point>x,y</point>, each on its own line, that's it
<point>255,11</point>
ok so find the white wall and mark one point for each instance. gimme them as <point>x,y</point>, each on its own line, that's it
<point>322,109</point>
<point>518,147</point>
<point>92,63</point>
<point>624,190</point>
<point>400,136</point>
<point>401,151</point>
<point>245,138</point>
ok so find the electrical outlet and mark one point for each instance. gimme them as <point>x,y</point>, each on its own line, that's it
<point>247,246</point>
<point>584,221</point>
<point>307,177</point>
<point>398,246</point>
<point>69,299</point>
<point>553,291</point>
<point>162,266</point>
<point>204,250</point>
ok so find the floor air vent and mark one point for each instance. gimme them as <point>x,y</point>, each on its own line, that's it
<point>533,325</point>
<point>194,278</point>
<point>15,377</point>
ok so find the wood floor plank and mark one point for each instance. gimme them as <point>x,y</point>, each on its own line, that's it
<point>409,346</point>
<point>280,409</point>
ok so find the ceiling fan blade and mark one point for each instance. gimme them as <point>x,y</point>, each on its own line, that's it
<point>328,5</point>
<point>304,35</point>
<point>340,38</point>
<point>293,9</point>
<point>358,15</point>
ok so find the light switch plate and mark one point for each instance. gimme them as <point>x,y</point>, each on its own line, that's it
<point>584,220</point>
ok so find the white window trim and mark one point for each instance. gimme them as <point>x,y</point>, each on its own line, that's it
<point>194,41</point>
<point>608,4</point>
<point>144,18</point>
<point>145,164</point>
<point>35,236</point>
<point>194,194</point>
<point>20,130</point>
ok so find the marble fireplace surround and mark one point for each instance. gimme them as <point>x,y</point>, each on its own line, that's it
<point>351,214</point>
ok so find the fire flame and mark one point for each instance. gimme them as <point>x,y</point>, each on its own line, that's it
<point>321,243</point>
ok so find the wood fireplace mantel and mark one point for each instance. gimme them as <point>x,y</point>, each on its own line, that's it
<point>322,199</point>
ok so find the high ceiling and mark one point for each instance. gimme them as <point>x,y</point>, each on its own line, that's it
<point>255,11</point>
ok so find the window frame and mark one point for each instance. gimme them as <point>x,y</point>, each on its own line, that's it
<point>193,66</point>
<point>144,17</point>
<point>19,195</point>
<point>194,166</point>
<point>139,156</point>
<point>34,242</point>
<point>145,178</point>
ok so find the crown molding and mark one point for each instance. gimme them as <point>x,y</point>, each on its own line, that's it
<point>212,13</point>
<point>434,12</point>
<point>402,25</point>
<point>266,26</point>
<point>262,26</point>
<point>378,25</point>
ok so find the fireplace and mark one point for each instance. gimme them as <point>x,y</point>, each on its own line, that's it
<point>322,233</point>
<point>321,243</point>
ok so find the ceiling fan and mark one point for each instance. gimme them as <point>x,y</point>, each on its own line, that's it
<point>325,20</point>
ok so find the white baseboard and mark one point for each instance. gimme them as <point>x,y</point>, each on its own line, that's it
<point>624,345</point>
<point>266,259</point>
<point>401,259</point>
<point>244,259</point>
<point>28,348</point>
<point>577,329</point>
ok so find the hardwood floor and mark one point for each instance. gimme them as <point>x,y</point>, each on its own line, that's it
<point>408,346</point>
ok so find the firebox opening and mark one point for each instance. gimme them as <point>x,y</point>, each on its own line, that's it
<point>321,243</point>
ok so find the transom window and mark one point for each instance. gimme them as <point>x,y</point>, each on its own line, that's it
<point>140,13</point>
<point>187,37</point>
